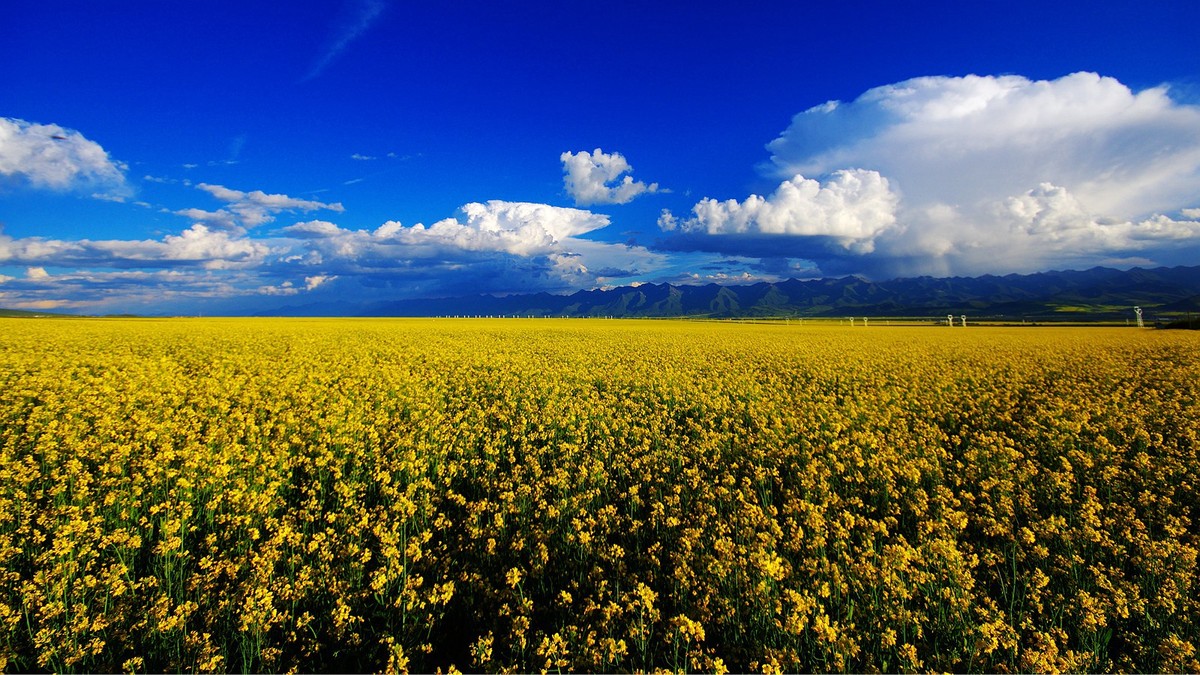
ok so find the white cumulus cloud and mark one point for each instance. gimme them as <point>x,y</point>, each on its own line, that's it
<point>214,220</point>
<point>989,174</point>
<point>958,140</point>
<point>488,247</point>
<point>520,228</point>
<point>49,156</point>
<point>317,280</point>
<point>495,246</point>
<point>196,246</point>
<point>1050,226</point>
<point>589,178</point>
<point>249,209</point>
<point>853,208</point>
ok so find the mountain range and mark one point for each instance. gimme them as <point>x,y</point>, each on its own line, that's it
<point>1094,294</point>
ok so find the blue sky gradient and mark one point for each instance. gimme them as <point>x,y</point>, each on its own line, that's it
<point>236,157</point>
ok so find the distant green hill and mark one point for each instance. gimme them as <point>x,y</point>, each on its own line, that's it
<point>23,313</point>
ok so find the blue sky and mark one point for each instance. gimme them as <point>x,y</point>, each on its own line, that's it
<point>236,157</point>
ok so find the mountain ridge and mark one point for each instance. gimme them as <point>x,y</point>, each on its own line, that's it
<point>1096,293</point>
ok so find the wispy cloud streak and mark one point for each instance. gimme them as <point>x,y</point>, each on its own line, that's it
<point>360,19</point>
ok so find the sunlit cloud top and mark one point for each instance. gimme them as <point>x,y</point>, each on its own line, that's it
<point>52,157</point>
<point>973,175</point>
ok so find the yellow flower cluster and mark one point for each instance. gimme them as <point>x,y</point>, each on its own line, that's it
<point>525,495</point>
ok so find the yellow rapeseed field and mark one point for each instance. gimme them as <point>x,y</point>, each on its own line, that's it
<point>375,495</point>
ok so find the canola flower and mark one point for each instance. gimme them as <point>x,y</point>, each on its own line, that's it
<point>537,495</point>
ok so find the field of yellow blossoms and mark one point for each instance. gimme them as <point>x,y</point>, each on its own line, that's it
<point>374,495</point>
